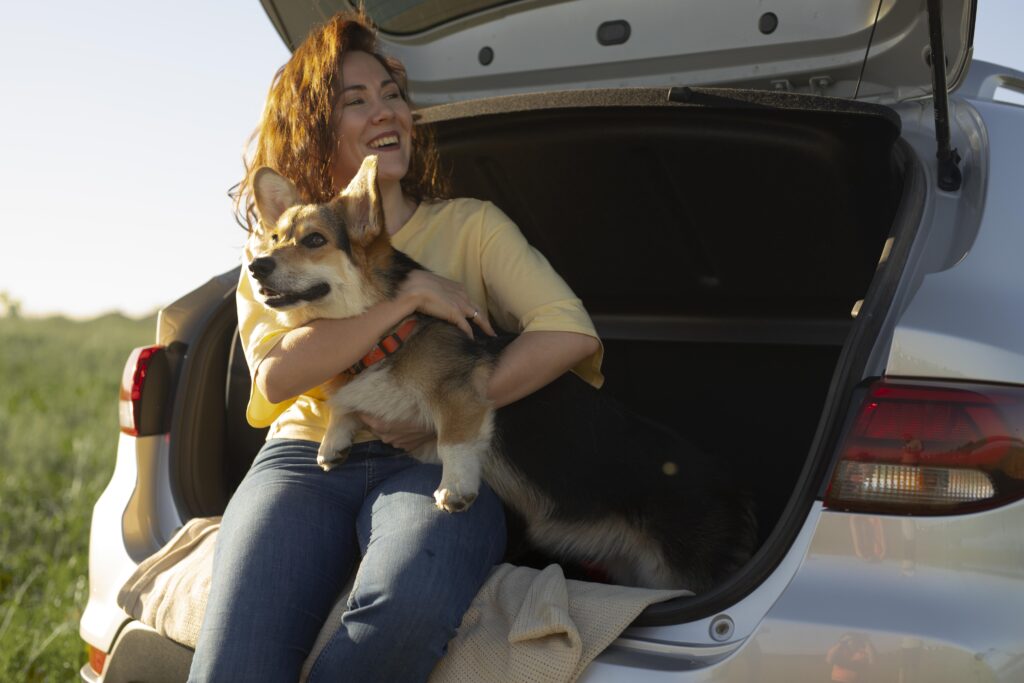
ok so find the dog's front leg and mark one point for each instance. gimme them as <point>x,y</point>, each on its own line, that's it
<point>341,428</point>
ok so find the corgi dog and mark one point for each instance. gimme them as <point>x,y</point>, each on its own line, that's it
<point>590,481</point>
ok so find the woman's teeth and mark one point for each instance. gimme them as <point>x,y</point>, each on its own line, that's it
<point>385,141</point>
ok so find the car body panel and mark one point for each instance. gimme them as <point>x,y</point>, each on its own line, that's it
<point>948,222</point>
<point>110,557</point>
<point>964,321</point>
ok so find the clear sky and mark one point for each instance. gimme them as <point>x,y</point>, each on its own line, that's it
<point>121,129</point>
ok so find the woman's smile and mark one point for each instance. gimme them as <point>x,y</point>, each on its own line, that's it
<point>386,142</point>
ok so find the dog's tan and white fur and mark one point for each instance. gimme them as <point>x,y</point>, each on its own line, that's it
<point>332,261</point>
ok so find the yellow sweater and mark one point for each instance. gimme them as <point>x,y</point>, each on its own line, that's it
<point>470,241</point>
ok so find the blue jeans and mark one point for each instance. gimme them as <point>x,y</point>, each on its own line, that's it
<point>289,539</point>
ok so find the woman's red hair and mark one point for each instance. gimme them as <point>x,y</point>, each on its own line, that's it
<point>296,134</point>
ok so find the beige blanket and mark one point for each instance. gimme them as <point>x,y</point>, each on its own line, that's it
<point>524,624</point>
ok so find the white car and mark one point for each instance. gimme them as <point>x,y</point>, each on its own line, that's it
<point>798,250</point>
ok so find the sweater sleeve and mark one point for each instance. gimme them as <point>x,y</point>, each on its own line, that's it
<point>260,333</point>
<point>523,287</point>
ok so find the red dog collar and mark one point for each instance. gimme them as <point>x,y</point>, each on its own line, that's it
<point>386,346</point>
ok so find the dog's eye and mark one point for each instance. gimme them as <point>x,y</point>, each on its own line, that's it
<point>273,238</point>
<point>314,240</point>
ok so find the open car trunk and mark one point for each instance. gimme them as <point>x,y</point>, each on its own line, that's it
<point>719,238</point>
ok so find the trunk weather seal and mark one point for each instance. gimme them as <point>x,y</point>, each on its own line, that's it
<point>193,386</point>
<point>879,298</point>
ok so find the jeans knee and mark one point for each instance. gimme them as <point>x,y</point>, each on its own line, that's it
<point>391,639</point>
<point>415,620</point>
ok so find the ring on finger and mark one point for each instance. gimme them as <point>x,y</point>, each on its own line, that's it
<point>475,314</point>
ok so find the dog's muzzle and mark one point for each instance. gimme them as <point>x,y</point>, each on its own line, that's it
<point>262,268</point>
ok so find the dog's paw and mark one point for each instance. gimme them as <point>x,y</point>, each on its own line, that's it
<point>329,456</point>
<point>334,448</point>
<point>450,499</point>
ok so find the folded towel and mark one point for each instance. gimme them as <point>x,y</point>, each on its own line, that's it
<point>533,625</point>
<point>168,590</point>
<point>524,625</point>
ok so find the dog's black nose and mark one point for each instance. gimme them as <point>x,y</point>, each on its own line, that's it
<point>261,267</point>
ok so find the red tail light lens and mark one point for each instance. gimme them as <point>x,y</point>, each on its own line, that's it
<point>143,389</point>
<point>931,449</point>
<point>97,658</point>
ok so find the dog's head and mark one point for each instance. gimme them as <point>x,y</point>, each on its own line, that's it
<point>316,255</point>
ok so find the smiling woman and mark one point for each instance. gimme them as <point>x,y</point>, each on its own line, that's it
<point>282,553</point>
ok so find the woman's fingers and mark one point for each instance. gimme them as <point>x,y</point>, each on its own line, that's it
<point>480,318</point>
<point>463,324</point>
<point>447,300</point>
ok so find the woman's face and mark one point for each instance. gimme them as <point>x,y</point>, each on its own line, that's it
<point>371,117</point>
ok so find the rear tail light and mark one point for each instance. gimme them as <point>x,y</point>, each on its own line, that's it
<point>97,658</point>
<point>144,387</point>
<point>925,448</point>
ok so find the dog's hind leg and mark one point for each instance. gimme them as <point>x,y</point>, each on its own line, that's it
<point>460,480</point>
<point>341,427</point>
<point>463,440</point>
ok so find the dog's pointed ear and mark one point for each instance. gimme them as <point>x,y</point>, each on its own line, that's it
<point>274,194</point>
<point>362,196</point>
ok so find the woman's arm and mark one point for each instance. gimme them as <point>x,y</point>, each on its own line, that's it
<point>310,355</point>
<point>314,353</point>
<point>534,360</point>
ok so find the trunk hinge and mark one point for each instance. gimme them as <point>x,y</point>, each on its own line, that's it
<point>949,159</point>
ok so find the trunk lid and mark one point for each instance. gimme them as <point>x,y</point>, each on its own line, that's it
<point>858,49</point>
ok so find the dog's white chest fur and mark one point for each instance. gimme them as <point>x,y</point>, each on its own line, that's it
<point>375,391</point>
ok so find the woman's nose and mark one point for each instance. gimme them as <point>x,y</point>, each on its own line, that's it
<point>384,112</point>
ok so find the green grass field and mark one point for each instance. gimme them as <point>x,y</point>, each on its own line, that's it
<point>58,433</point>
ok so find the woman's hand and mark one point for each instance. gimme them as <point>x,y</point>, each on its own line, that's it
<point>407,436</point>
<point>444,299</point>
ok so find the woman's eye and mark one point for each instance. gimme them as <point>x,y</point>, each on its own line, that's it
<point>314,240</point>
<point>352,103</point>
<point>393,95</point>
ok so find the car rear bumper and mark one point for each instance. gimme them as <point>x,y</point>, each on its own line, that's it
<point>142,654</point>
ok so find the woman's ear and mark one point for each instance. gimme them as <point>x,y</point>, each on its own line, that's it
<point>274,194</point>
<point>362,197</point>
